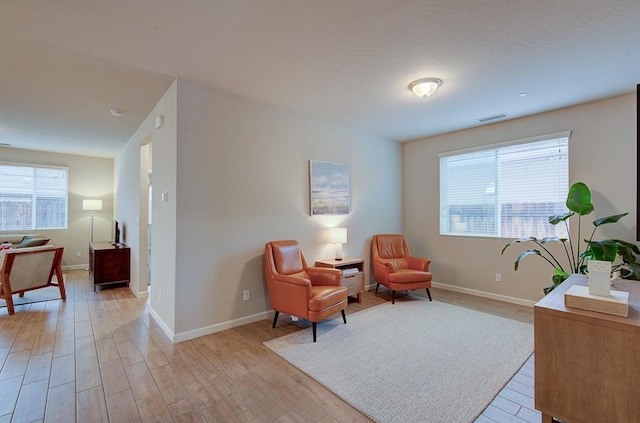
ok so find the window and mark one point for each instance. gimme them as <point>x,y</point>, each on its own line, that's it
<point>507,190</point>
<point>32,197</point>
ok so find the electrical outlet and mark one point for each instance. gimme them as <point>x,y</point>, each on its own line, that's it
<point>78,254</point>
<point>246,295</point>
<point>498,277</point>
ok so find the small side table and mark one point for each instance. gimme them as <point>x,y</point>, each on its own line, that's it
<point>352,273</point>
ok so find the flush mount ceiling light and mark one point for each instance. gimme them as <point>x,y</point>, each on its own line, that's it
<point>424,87</point>
<point>116,112</point>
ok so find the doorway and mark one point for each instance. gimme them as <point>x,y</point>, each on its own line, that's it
<point>146,213</point>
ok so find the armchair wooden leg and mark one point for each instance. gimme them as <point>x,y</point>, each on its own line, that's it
<point>9,300</point>
<point>429,294</point>
<point>275,319</point>
<point>377,286</point>
<point>60,277</point>
<point>344,316</point>
<point>314,324</point>
<point>393,297</point>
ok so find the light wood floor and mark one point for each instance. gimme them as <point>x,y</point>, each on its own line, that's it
<point>101,357</point>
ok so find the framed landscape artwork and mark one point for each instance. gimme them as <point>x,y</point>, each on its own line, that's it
<point>329,188</point>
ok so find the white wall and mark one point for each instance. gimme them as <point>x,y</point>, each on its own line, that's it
<point>131,201</point>
<point>243,180</point>
<point>89,177</point>
<point>236,179</point>
<point>602,153</point>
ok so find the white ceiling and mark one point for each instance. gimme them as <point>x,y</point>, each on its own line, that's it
<point>65,63</point>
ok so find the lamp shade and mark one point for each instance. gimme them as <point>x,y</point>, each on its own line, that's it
<point>338,235</point>
<point>91,205</point>
<point>425,87</point>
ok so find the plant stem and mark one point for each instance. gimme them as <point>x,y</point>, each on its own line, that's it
<point>572,261</point>
<point>568,255</point>
<point>551,255</point>
<point>579,261</point>
<point>550,262</point>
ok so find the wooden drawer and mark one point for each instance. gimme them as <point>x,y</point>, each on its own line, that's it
<point>354,283</point>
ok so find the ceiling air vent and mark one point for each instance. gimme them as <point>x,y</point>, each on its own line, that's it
<point>494,117</point>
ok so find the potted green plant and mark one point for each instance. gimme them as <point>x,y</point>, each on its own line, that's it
<point>579,204</point>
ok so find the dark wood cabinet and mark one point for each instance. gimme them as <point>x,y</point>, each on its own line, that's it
<point>109,263</point>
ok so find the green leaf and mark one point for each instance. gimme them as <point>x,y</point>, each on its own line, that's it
<point>608,219</point>
<point>579,199</point>
<point>548,239</point>
<point>557,218</point>
<point>515,241</point>
<point>559,276</point>
<point>632,271</point>
<point>523,255</point>
<point>605,250</point>
<point>633,247</point>
<point>560,272</point>
<point>626,251</point>
<point>587,254</point>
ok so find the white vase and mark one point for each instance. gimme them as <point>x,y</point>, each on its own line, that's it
<point>599,277</point>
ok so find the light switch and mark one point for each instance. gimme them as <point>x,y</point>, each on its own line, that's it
<point>165,197</point>
<point>159,121</point>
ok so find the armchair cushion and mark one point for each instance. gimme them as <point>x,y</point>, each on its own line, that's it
<point>28,241</point>
<point>323,297</point>
<point>15,239</point>
<point>288,259</point>
<point>408,276</point>
<point>395,264</point>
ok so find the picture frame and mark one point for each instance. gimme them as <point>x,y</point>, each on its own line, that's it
<point>329,190</point>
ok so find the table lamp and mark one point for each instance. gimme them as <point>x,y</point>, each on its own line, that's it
<point>338,237</point>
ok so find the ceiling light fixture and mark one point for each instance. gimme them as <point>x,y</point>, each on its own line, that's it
<point>425,87</point>
<point>116,112</point>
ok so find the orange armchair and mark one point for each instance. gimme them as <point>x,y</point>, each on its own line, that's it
<point>295,288</point>
<point>396,268</point>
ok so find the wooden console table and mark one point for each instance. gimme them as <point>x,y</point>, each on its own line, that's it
<point>109,263</point>
<point>587,364</point>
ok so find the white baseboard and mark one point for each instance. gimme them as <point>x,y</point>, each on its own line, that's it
<point>139,294</point>
<point>75,267</point>
<point>207,330</point>
<point>218,327</point>
<point>161,323</point>
<point>484,294</point>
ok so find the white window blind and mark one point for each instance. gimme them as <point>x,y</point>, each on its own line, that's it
<point>507,190</point>
<point>33,197</point>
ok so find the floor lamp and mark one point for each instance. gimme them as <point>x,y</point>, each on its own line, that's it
<point>92,206</point>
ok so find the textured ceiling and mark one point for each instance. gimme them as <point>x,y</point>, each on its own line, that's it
<point>66,63</point>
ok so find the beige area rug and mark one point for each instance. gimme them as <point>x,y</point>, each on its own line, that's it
<point>415,361</point>
<point>37,295</point>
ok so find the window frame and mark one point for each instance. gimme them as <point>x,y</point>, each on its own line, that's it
<point>34,197</point>
<point>491,147</point>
